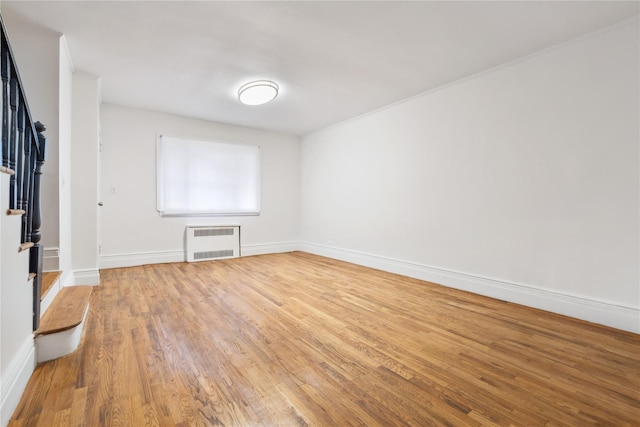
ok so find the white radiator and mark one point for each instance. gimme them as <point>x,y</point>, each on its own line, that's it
<point>212,242</point>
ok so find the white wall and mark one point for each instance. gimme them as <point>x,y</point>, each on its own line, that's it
<point>37,53</point>
<point>64,161</point>
<point>520,183</point>
<point>132,230</point>
<point>84,172</point>
<point>17,354</point>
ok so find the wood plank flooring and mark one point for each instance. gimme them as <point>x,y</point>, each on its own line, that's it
<point>296,339</point>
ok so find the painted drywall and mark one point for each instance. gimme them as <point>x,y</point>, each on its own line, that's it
<point>64,162</point>
<point>17,359</point>
<point>132,230</point>
<point>84,176</point>
<point>523,179</point>
<point>37,54</point>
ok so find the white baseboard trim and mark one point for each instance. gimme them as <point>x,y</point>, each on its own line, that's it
<point>602,312</point>
<point>87,276</point>
<point>269,248</point>
<point>140,258</point>
<point>15,380</point>
<point>51,259</point>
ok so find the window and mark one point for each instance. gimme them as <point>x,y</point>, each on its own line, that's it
<point>207,178</point>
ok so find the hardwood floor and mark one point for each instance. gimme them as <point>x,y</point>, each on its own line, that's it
<point>296,339</point>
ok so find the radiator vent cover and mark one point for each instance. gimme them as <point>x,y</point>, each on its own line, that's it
<point>217,231</point>
<point>212,242</point>
<point>224,253</point>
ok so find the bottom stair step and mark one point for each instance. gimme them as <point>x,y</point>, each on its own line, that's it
<point>61,326</point>
<point>66,311</point>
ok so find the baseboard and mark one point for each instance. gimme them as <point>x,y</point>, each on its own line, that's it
<point>15,380</point>
<point>605,313</point>
<point>87,276</point>
<point>602,312</point>
<point>140,258</point>
<point>269,248</point>
<point>51,259</point>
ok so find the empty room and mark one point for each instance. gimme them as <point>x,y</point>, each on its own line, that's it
<point>320,213</point>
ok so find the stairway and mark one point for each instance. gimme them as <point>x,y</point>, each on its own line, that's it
<point>63,318</point>
<point>22,157</point>
<point>63,308</point>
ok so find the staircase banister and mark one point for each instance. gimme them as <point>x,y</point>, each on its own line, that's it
<point>23,148</point>
<point>40,151</point>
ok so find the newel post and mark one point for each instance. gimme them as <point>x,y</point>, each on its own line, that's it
<point>36,214</point>
<point>36,254</point>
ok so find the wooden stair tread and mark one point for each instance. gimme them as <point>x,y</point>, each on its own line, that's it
<point>26,245</point>
<point>48,279</point>
<point>66,311</point>
<point>6,170</point>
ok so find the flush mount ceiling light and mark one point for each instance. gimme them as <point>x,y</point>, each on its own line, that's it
<point>258,92</point>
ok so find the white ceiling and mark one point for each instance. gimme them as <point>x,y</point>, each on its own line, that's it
<point>332,60</point>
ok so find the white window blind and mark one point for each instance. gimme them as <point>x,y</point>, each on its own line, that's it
<point>197,177</point>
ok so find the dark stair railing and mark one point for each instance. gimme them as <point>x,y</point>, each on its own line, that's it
<point>23,152</point>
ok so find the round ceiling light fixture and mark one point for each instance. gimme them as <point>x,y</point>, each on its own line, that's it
<point>258,92</point>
